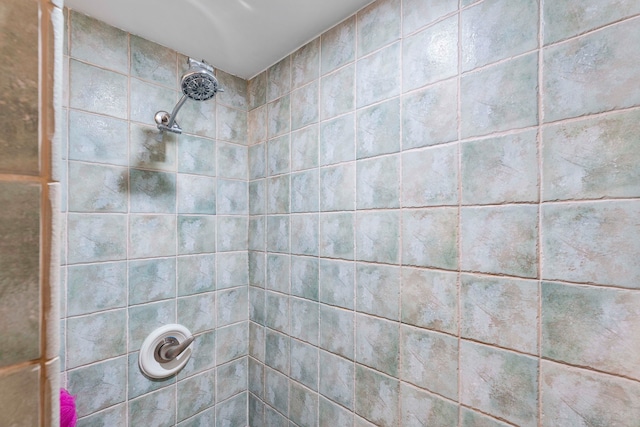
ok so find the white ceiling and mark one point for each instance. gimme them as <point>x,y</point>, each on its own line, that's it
<point>241,37</point>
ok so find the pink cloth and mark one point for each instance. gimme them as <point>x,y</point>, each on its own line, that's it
<point>68,417</point>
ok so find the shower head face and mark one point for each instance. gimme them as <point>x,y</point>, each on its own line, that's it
<point>199,83</point>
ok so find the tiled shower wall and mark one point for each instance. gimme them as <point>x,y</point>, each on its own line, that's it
<point>444,214</point>
<point>155,233</point>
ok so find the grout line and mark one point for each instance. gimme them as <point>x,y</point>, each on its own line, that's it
<point>459,224</point>
<point>540,254</point>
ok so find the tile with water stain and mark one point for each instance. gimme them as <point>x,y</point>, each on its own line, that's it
<point>420,409</point>
<point>378,237</point>
<point>430,360</point>
<point>152,235</point>
<point>500,383</point>
<point>370,88</point>
<point>337,94</point>
<point>437,127</point>
<point>336,379</point>
<point>196,274</point>
<point>338,140</point>
<point>195,312</point>
<point>593,327</point>
<point>338,45</point>
<point>150,150</point>
<point>593,73</point>
<point>500,97</point>
<point>378,290</point>
<point>499,311</point>
<point>500,240</point>
<point>498,29</point>
<point>500,170</point>
<point>572,396</point>
<point>152,192</point>
<point>378,183</point>
<point>96,287</point>
<point>304,106</point>
<point>377,397</point>
<point>429,299</point>
<point>157,408</point>
<point>592,158</point>
<point>430,55</point>
<point>98,386</point>
<point>430,177</point>
<point>430,238</point>
<point>337,331</point>
<point>337,283</point>
<point>592,242</point>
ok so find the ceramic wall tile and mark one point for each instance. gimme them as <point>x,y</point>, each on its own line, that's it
<point>338,140</point>
<point>95,138</point>
<point>377,397</point>
<point>153,62</point>
<point>98,43</point>
<point>305,64</point>
<point>378,290</point>
<point>378,182</point>
<point>370,87</point>
<point>338,45</point>
<point>89,80</point>
<point>378,25</point>
<point>419,13</point>
<point>430,238</point>
<point>378,344</point>
<point>430,177</point>
<point>429,299</point>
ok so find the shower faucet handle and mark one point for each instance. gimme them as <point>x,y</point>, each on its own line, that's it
<point>170,348</point>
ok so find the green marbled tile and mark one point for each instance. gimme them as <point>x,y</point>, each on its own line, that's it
<point>256,411</point>
<point>96,237</point>
<point>233,161</point>
<point>150,61</point>
<point>277,307</point>
<point>144,319</point>
<point>196,274</point>
<point>572,396</point>
<point>305,148</point>
<point>196,118</point>
<point>278,233</point>
<point>331,414</point>
<point>304,234</point>
<point>139,384</point>
<point>500,97</point>
<point>257,90</point>
<point>233,412</point>
<point>98,43</point>
<point>499,383</point>
<point>564,19</point>
<point>338,45</point>
<point>338,140</point>
<point>232,233</point>
<point>377,397</point>
<point>378,344</point>
<point>232,269</point>
<point>197,234</point>
<point>305,277</point>
<point>593,73</point>
<point>594,327</point>
<point>256,378</point>
<point>592,242</point>
<point>338,188</point>
<point>429,299</point>
<point>337,283</point>
<point>231,342</point>
<point>304,191</point>
<point>273,418</point>
<point>149,150</point>
<point>257,342</point>
<point>232,197</point>
<point>305,106</point>
<point>152,235</point>
<point>146,99</point>
<point>500,240</point>
<point>303,406</point>
<point>257,161</point>
<point>470,418</point>
<point>257,269</point>
<point>257,306</point>
<point>305,319</point>
<point>235,90</point>
<point>430,55</point>
<point>204,418</point>
<point>278,194</point>
<point>87,80</point>
<point>304,364</point>
<point>337,331</point>
<point>157,408</point>
<point>430,177</point>
<point>420,409</point>
<point>419,13</point>
<point>305,64</point>
<point>98,386</point>
<point>436,127</point>
<point>378,236</point>
<point>336,235</point>
<point>195,394</point>
<point>279,79</point>
<point>95,138</point>
<point>370,87</point>
<point>378,290</point>
<point>232,306</point>
<point>278,150</point>
<point>203,355</point>
<point>279,120</point>
<point>378,25</point>
<point>257,233</point>
<point>20,397</point>
<point>113,416</point>
<point>152,192</point>
<point>337,92</point>
<point>378,183</point>
<point>257,197</point>
<point>500,170</point>
<point>498,29</point>
<point>336,379</point>
<point>196,155</point>
<point>276,391</point>
<point>500,311</point>
<point>592,158</point>
<point>378,129</point>
<point>196,194</point>
<point>231,125</point>
<point>232,379</point>
<point>195,312</point>
<point>96,287</point>
<point>430,360</point>
<point>430,238</point>
<point>257,125</point>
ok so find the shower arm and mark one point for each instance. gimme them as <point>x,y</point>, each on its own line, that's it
<point>166,121</point>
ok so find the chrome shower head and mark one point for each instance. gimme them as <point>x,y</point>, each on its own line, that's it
<point>197,83</point>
